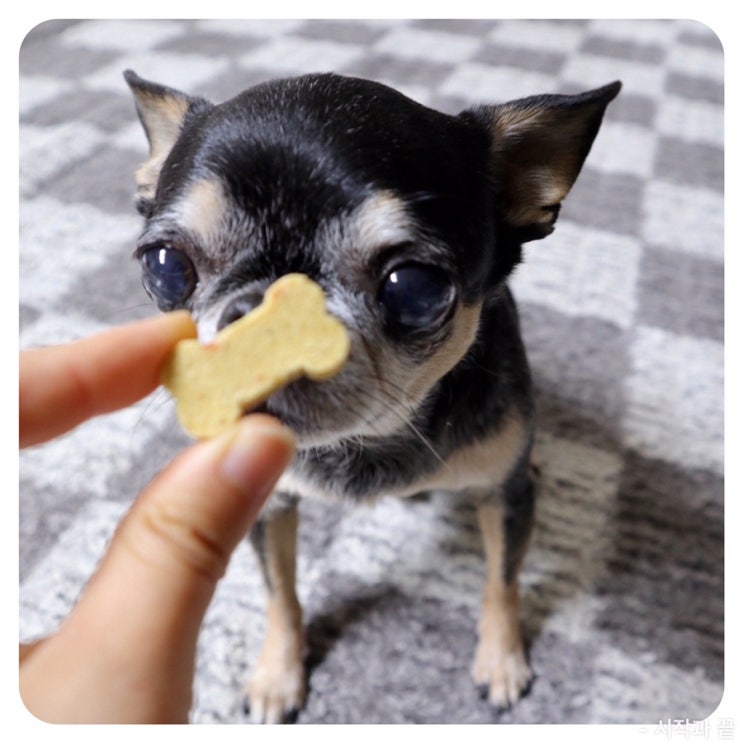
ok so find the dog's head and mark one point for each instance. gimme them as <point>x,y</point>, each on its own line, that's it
<point>409,219</point>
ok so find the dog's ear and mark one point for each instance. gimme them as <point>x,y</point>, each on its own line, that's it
<point>538,146</point>
<point>162,112</point>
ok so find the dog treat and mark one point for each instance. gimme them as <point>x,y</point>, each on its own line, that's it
<point>289,335</point>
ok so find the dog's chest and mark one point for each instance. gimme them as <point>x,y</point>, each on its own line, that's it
<point>405,469</point>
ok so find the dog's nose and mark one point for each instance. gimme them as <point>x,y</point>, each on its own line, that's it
<point>238,307</point>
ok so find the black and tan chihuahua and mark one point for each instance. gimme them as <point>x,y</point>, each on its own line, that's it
<point>411,221</point>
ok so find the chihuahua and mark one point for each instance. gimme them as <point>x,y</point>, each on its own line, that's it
<point>411,221</point>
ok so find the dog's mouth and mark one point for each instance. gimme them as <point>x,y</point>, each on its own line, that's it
<point>296,423</point>
<point>260,408</point>
<point>264,408</point>
<point>307,420</point>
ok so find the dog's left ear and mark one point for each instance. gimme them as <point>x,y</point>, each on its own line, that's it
<point>538,146</point>
<point>162,111</point>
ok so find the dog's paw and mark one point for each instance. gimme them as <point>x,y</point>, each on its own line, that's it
<point>275,694</point>
<point>502,677</point>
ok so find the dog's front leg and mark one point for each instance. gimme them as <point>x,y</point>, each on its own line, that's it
<point>500,667</point>
<point>276,689</point>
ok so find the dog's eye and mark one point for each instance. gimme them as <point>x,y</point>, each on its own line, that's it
<point>416,297</point>
<point>168,276</point>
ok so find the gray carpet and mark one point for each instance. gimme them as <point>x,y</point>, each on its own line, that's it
<point>623,318</point>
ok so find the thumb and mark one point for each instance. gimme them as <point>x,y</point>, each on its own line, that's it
<point>178,537</point>
<point>143,608</point>
<point>186,523</point>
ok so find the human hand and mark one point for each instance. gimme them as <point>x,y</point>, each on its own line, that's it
<point>126,652</point>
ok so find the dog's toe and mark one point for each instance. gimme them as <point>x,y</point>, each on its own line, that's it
<point>291,715</point>
<point>502,679</point>
<point>270,710</point>
<point>275,697</point>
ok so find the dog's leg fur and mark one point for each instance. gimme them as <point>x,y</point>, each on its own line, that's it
<point>276,689</point>
<point>501,668</point>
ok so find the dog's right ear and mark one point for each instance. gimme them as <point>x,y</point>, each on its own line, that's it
<point>162,111</point>
<point>538,146</point>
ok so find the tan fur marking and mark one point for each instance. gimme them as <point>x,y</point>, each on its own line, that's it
<point>204,207</point>
<point>481,466</point>
<point>461,337</point>
<point>529,145</point>
<point>164,116</point>
<point>533,189</point>
<point>277,684</point>
<point>410,386</point>
<point>147,175</point>
<point>380,221</point>
<point>512,121</point>
<point>500,662</point>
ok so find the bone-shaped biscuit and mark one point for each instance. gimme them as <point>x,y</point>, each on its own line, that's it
<point>289,335</point>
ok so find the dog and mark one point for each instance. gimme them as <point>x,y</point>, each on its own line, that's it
<point>411,221</point>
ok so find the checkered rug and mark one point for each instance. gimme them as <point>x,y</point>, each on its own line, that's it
<point>623,319</point>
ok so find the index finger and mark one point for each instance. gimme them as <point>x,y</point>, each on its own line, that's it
<point>61,386</point>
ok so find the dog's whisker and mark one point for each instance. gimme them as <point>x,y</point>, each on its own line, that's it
<point>123,312</point>
<point>392,405</point>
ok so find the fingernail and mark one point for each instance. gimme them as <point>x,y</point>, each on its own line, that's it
<point>258,453</point>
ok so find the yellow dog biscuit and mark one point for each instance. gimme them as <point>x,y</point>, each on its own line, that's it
<point>289,335</point>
